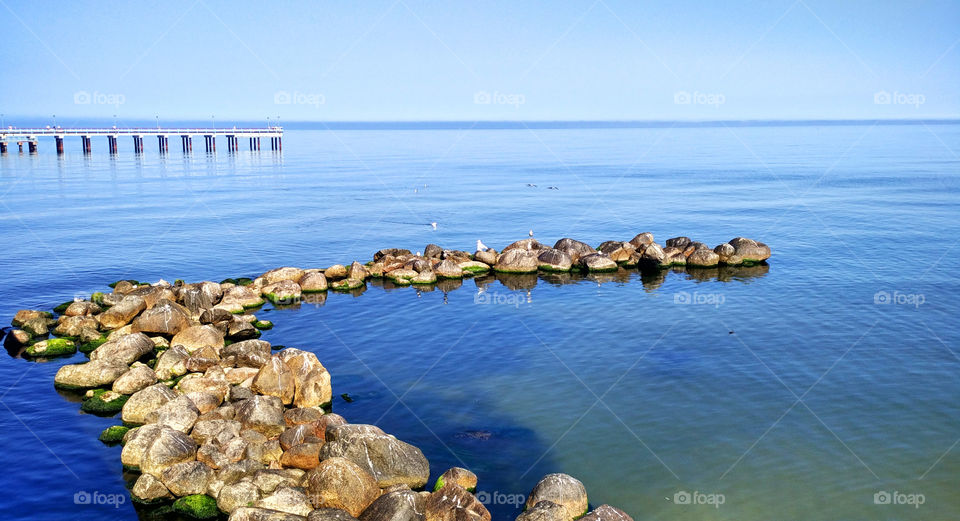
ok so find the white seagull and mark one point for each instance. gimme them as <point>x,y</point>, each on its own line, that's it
<point>481,246</point>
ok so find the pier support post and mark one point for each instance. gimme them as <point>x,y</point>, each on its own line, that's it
<point>3,147</point>
<point>112,144</point>
<point>59,145</point>
<point>163,144</point>
<point>32,146</point>
<point>20,146</point>
<point>86,144</point>
<point>138,144</point>
<point>187,144</point>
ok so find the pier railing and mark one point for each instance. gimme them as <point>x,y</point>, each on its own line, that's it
<point>233,135</point>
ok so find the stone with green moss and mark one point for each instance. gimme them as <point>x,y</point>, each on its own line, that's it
<point>62,307</point>
<point>50,348</point>
<point>114,434</point>
<point>88,347</point>
<point>197,506</point>
<point>244,281</point>
<point>263,325</point>
<point>104,402</point>
<point>346,284</point>
<point>228,281</point>
<point>131,281</point>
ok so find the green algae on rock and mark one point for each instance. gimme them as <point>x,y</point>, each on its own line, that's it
<point>197,506</point>
<point>50,348</point>
<point>114,434</point>
<point>103,402</point>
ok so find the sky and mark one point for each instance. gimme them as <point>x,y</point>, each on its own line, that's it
<point>408,60</point>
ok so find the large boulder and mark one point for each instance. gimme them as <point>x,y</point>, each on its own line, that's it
<point>458,475</point>
<point>234,496</point>
<point>574,248</point>
<point>388,459</point>
<point>517,260</point>
<point>703,258</point>
<point>544,511</point>
<point>200,296</point>
<point>263,414</point>
<point>313,282</point>
<point>96,373</point>
<point>138,377</point>
<point>311,380</point>
<point>195,337</point>
<point>247,353</point>
<point>145,401</point>
<point>149,489</point>
<point>238,298</point>
<point>280,274</point>
<point>165,318</point>
<point>341,483</point>
<point>554,260</point>
<point>187,478</point>
<point>123,312</point>
<point>606,513</point>
<point>454,503</point>
<point>749,250</point>
<point>25,315</point>
<point>179,414</point>
<point>172,363</point>
<point>167,449</point>
<point>126,349</point>
<point>283,292</point>
<point>525,244</point>
<point>597,262</point>
<point>73,326</point>
<point>617,251</point>
<point>642,240</point>
<point>401,504</point>
<point>275,379</point>
<point>287,499</point>
<point>564,490</point>
<point>447,269</point>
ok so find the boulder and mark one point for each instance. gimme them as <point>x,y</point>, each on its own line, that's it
<point>392,252</point>
<point>25,315</point>
<point>678,242</point>
<point>454,503</point>
<point>402,504</point>
<point>311,380</point>
<point>340,483</point>
<point>280,274</point>
<point>123,312</point>
<point>597,262</point>
<point>165,318</point>
<point>37,326</point>
<point>282,293</point>
<point>126,349</point>
<point>617,251</point>
<point>236,495</point>
<point>389,460</point>
<point>554,260</point>
<point>72,326</point>
<point>200,296</point>
<point>357,271</point>
<point>313,282</point>
<point>195,337</point>
<point>304,456</point>
<point>287,499</point>
<point>167,449</point>
<point>562,489</point>
<point>148,489</point>
<point>82,308</point>
<point>336,272</point>
<point>172,363</point>
<point>525,244</point>
<point>642,240</point>
<point>703,258</point>
<point>215,431</point>
<point>178,414</point>
<point>447,269</point>
<point>544,511</point>
<point>488,256</point>
<point>275,379</point>
<point>749,250</point>
<point>574,248</point>
<point>458,475</point>
<point>330,514</point>
<point>238,298</point>
<point>145,401</point>
<point>96,373</point>
<point>517,260</point>
<point>262,514</point>
<point>606,513</point>
<point>138,377</point>
<point>263,414</point>
<point>187,478</point>
<point>50,348</point>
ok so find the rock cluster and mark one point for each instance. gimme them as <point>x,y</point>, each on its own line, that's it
<point>215,417</point>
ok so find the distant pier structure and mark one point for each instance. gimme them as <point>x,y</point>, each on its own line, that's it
<point>31,136</point>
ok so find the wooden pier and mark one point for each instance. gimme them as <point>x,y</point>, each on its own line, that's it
<point>31,136</point>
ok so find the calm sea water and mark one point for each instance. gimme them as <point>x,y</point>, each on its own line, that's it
<point>792,392</point>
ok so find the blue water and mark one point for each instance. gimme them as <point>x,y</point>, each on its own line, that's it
<point>785,390</point>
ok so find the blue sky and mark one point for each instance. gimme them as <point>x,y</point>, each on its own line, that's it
<point>491,60</point>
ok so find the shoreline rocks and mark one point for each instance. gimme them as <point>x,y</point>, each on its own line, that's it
<point>216,421</point>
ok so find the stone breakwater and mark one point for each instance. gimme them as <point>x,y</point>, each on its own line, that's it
<point>217,420</point>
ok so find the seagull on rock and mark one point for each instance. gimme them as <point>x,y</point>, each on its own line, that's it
<point>481,246</point>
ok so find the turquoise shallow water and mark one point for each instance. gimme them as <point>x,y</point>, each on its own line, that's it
<point>786,392</point>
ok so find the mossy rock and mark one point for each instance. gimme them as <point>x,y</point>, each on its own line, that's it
<point>346,284</point>
<point>88,347</point>
<point>399,281</point>
<point>254,305</point>
<point>244,281</point>
<point>114,434</point>
<point>97,404</point>
<point>62,307</point>
<point>131,281</point>
<point>197,506</point>
<point>263,325</point>
<point>97,298</point>
<point>475,269</point>
<point>50,348</point>
<point>552,269</point>
<point>228,281</point>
